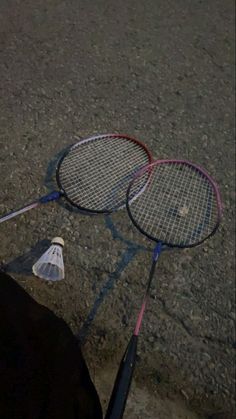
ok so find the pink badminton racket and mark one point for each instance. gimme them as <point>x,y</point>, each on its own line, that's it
<point>180,207</point>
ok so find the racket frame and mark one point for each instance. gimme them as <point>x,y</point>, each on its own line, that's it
<point>149,167</point>
<point>125,372</point>
<point>84,141</point>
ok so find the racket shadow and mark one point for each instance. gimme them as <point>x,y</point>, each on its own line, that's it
<point>131,250</point>
<point>111,280</point>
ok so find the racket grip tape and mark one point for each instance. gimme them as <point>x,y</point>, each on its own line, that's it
<point>123,380</point>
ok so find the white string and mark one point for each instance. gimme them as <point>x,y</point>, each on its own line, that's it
<point>179,205</point>
<point>95,174</point>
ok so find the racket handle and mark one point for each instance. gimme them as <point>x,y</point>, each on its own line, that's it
<point>43,200</point>
<point>121,387</point>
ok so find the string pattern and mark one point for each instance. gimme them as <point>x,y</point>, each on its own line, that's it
<point>179,205</point>
<point>95,173</point>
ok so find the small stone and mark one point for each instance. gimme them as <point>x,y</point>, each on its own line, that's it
<point>184,394</point>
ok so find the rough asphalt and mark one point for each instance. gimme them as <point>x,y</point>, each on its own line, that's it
<point>161,71</point>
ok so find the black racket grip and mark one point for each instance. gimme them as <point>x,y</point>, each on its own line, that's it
<point>124,376</point>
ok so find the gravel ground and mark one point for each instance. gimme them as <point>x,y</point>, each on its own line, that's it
<point>163,72</point>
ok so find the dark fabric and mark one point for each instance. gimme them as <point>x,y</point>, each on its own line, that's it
<point>42,371</point>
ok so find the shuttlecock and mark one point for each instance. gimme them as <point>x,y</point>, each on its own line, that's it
<point>51,266</point>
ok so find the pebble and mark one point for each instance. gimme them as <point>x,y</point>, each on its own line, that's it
<point>184,394</point>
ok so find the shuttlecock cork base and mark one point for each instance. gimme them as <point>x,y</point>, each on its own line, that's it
<point>51,266</point>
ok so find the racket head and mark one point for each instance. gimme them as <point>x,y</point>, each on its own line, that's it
<point>93,174</point>
<point>180,206</point>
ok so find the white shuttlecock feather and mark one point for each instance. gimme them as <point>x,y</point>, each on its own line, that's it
<point>51,266</point>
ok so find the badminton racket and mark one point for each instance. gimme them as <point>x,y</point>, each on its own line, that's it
<point>93,174</point>
<point>180,207</point>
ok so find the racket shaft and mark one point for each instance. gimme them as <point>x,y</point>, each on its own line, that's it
<point>122,384</point>
<point>145,300</point>
<point>13,214</point>
<point>121,387</point>
<point>43,200</point>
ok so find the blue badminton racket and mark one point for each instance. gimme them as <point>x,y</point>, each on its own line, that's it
<point>93,174</point>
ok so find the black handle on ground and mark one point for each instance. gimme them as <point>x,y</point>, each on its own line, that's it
<point>121,387</point>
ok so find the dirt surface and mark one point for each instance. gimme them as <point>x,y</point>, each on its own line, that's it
<point>163,72</point>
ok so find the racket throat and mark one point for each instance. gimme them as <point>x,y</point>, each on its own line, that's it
<point>157,251</point>
<point>155,256</point>
<point>52,196</point>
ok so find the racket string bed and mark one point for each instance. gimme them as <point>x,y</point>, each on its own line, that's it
<point>179,204</point>
<point>175,228</point>
<point>96,189</point>
<point>114,160</point>
<point>145,206</point>
<point>146,211</point>
<point>176,184</point>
